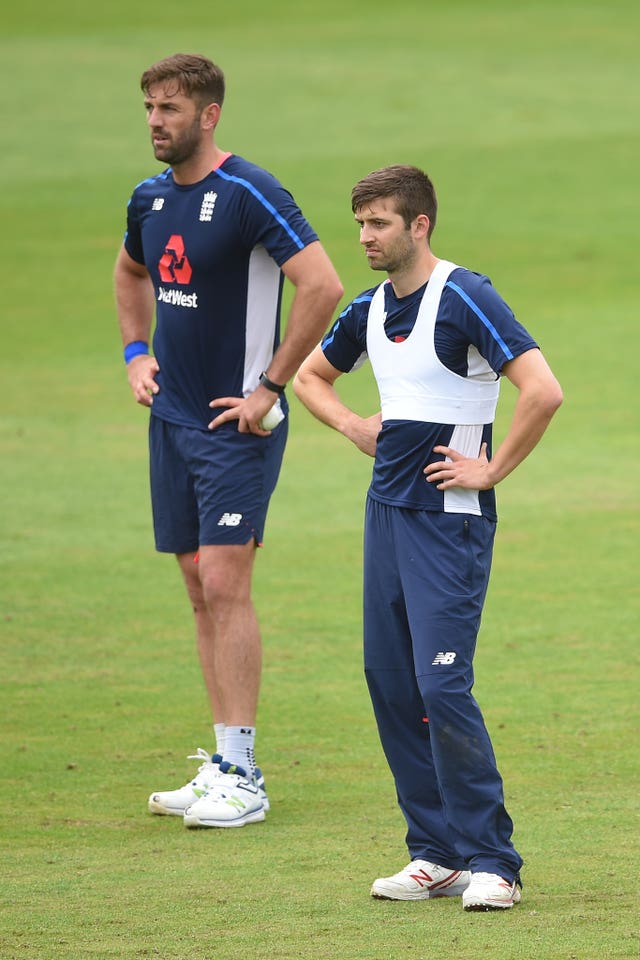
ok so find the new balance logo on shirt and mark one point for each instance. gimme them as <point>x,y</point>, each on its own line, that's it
<point>443,658</point>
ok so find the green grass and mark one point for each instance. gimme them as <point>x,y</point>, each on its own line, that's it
<point>526,117</point>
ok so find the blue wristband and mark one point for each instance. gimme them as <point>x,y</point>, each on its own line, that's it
<point>135,349</point>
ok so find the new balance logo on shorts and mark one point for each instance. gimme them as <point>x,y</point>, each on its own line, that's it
<point>230,520</point>
<point>444,658</point>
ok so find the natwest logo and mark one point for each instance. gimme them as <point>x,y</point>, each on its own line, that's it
<point>177,298</point>
<point>173,265</point>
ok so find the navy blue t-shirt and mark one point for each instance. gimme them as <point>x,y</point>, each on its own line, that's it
<point>475,333</point>
<point>214,250</point>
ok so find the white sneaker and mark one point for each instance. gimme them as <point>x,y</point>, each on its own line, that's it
<point>488,891</point>
<point>421,880</point>
<point>175,802</point>
<point>259,782</point>
<point>232,801</point>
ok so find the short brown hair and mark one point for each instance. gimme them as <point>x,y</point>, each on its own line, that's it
<point>410,187</point>
<point>196,77</point>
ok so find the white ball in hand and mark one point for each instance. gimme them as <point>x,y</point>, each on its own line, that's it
<point>272,417</point>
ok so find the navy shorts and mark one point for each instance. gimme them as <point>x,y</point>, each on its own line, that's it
<point>211,487</point>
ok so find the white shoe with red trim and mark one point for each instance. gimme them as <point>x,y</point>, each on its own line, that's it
<point>421,880</point>
<point>488,891</point>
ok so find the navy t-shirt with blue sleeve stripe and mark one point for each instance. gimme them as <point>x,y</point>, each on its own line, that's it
<point>475,332</point>
<point>214,250</point>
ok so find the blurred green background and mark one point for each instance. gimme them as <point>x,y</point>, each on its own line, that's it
<point>526,117</point>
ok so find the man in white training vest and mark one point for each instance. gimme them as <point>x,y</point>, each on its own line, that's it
<point>439,338</point>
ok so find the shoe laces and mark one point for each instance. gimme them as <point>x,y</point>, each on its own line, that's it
<point>226,782</point>
<point>201,754</point>
<point>490,878</point>
<point>207,761</point>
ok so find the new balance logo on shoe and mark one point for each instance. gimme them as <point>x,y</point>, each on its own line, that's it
<point>444,658</point>
<point>422,878</point>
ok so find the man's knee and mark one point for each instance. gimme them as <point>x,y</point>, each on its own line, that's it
<point>225,573</point>
<point>191,575</point>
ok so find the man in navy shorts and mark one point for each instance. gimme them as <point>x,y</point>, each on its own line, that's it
<point>209,242</point>
<point>438,338</point>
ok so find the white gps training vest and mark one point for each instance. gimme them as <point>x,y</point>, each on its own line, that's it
<point>413,383</point>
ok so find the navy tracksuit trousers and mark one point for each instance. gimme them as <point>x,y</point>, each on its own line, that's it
<point>425,581</point>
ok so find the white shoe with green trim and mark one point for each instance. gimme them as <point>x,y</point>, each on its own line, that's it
<point>233,801</point>
<point>174,802</point>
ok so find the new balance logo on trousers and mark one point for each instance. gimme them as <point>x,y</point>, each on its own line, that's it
<point>444,658</point>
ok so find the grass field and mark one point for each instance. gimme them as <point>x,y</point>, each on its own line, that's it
<point>526,116</point>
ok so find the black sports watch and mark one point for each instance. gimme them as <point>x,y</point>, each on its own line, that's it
<point>270,385</point>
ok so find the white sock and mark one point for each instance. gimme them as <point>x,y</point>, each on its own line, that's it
<point>238,748</point>
<point>218,732</point>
